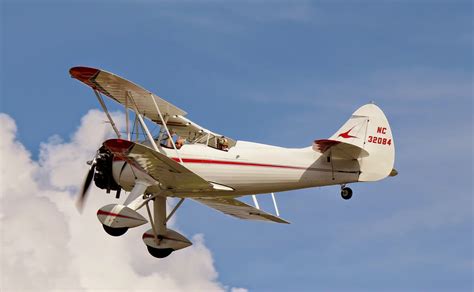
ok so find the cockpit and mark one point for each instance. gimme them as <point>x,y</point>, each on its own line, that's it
<point>215,141</point>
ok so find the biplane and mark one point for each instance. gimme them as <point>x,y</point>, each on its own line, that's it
<point>187,161</point>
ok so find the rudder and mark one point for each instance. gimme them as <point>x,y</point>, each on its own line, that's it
<point>368,128</point>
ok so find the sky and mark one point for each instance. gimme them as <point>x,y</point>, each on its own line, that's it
<point>277,72</point>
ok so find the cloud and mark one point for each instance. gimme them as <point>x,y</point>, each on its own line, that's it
<point>48,245</point>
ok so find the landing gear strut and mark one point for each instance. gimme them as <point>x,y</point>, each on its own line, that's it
<point>346,193</point>
<point>160,240</point>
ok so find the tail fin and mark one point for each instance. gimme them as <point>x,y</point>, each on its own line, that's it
<point>368,129</point>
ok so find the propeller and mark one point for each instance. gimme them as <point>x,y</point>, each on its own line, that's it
<point>102,180</point>
<point>87,183</point>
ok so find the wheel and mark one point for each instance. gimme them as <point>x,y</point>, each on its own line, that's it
<point>159,252</point>
<point>115,231</point>
<point>346,193</point>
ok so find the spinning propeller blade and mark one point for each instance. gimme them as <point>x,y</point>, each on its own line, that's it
<point>85,187</point>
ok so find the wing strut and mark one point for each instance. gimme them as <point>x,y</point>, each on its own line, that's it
<point>174,209</point>
<point>144,126</point>
<point>275,204</point>
<point>255,202</point>
<point>102,104</point>
<point>166,126</point>
<point>127,118</point>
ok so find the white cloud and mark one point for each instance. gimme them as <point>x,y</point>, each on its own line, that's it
<point>47,245</point>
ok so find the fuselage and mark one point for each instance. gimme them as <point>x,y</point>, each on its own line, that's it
<point>253,168</point>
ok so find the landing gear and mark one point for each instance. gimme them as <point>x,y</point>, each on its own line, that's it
<point>160,240</point>
<point>346,193</point>
<point>159,252</point>
<point>115,231</point>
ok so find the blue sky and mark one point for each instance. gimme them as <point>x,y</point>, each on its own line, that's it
<point>283,73</point>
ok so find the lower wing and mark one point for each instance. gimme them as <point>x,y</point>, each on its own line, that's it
<point>239,209</point>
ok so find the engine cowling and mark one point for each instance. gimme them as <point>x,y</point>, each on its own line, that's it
<point>103,177</point>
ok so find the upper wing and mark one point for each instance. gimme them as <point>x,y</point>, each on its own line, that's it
<point>132,95</point>
<point>119,89</point>
<point>239,209</point>
<point>163,169</point>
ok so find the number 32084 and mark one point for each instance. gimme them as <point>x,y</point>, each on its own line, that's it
<point>379,140</point>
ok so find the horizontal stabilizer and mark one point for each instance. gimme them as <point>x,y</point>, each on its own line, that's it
<point>339,149</point>
<point>239,209</point>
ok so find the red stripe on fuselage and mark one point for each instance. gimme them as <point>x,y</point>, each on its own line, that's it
<point>224,162</point>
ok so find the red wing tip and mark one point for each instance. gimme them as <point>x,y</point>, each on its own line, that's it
<point>118,145</point>
<point>83,73</point>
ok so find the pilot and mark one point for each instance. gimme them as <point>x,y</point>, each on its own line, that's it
<point>179,142</point>
<point>168,141</point>
<point>223,144</point>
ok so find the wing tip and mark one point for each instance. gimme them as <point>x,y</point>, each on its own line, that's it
<point>82,73</point>
<point>283,221</point>
<point>118,145</point>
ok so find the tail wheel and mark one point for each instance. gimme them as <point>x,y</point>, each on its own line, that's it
<point>159,252</point>
<point>115,231</point>
<point>346,193</point>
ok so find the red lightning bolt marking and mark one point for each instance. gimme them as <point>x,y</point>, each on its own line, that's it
<point>346,135</point>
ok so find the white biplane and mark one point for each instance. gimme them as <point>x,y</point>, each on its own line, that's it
<point>186,161</point>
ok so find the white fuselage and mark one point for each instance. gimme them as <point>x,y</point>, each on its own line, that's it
<point>253,168</point>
